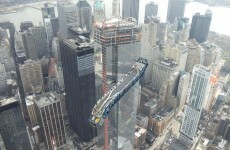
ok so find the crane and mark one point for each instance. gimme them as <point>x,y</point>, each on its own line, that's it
<point>105,104</point>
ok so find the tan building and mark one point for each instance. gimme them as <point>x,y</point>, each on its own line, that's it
<point>31,75</point>
<point>194,55</point>
<point>31,110</point>
<point>140,136</point>
<point>159,121</point>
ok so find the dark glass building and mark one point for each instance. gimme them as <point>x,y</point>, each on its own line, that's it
<point>130,8</point>
<point>12,126</point>
<point>200,26</point>
<point>77,56</point>
<point>175,9</point>
<point>48,12</point>
<point>151,9</point>
<point>55,26</point>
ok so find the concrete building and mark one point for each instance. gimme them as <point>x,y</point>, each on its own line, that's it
<point>116,8</point>
<point>84,15</point>
<point>183,89</point>
<point>150,107</point>
<point>200,26</point>
<point>198,93</point>
<point>49,32</point>
<point>56,49</point>
<point>162,33</point>
<point>195,55</point>
<point>130,8</point>
<point>12,126</point>
<point>51,121</point>
<point>176,8</point>
<point>59,74</point>
<point>212,53</point>
<point>99,10</point>
<point>178,52</point>
<point>142,120</point>
<point>160,120</point>
<point>149,49</point>
<point>31,74</point>
<point>67,15</point>
<point>29,45</point>
<point>77,56</point>
<point>140,136</point>
<point>162,70</point>
<point>3,79</point>
<point>54,26</point>
<point>151,9</point>
<point>32,111</point>
<point>39,34</point>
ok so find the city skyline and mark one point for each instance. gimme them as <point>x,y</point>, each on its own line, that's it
<point>116,74</point>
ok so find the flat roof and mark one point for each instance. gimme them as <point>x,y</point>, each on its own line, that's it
<point>46,99</point>
<point>8,101</point>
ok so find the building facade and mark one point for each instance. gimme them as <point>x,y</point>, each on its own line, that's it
<point>84,13</point>
<point>79,78</point>
<point>176,8</point>
<point>31,74</point>
<point>67,14</point>
<point>151,9</point>
<point>3,78</point>
<point>200,26</point>
<point>130,8</point>
<point>50,115</point>
<point>198,93</point>
<point>12,126</point>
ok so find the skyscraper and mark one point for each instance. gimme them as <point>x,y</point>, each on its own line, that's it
<point>130,8</point>
<point>67,15</point>
<point>47,12</point>
<point>79,78</point>
<point>151,9</point>
<point>175,9</point>
<point>198,93</point>
<point>12,126</point>
<point>84,13</point>
<point>31,75</point>
<point>200,26</point>
<point>50,114</point>
<point>99,10</point>
<point>3,78</point>
<point>39,34</point>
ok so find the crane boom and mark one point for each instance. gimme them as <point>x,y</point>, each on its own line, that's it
<point>105,104</point>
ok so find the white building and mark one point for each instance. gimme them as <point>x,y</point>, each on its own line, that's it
<point>198,93</point>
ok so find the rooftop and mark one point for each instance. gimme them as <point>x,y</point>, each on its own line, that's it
<point>7,101</point>
<point>210,46</point>
<point>116,22</point>
<point>79,43</point>
<point>46,99</point>
<point>164,112</point>
<point>168,62</point>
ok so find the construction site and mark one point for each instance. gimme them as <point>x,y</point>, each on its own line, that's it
<point>118,41</point>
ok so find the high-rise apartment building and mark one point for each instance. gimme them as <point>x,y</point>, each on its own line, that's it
<point>162,70</point>
<point>200,26</point>
<point>195,55</point>
<point>130,8</point>
<point>212,53</point>
<point>151,9</point>
<point>29,45</point>
<point>198,93</point>
<point>39,34</point>
<point>31,75</point>
<point>84,13</point>
<point>67,15</point>
<point>31,111</point>
<point>175,9</point>
<point>77,56</point>
<point>12,125</point>
<point>50,115</point>
<point>3,78</point>
<point>99,10</point>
